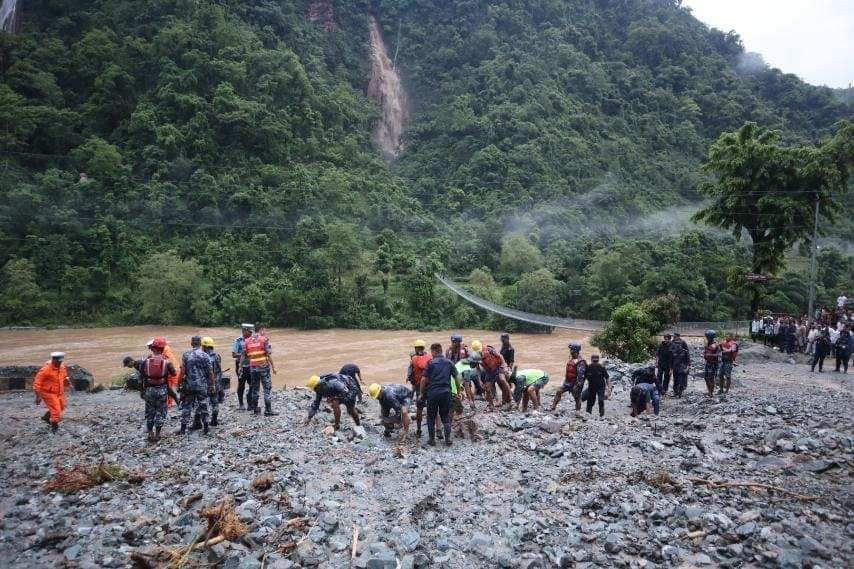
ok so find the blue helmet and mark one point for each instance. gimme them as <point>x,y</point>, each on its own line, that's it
<point>575,346</point>
<point>456,338</point>
<point>710,334</point>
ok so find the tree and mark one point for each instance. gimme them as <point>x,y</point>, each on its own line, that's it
<point>22,298</point>
<point>629,334</point>
<point>768,191</point>
<point>172,290</point>
<point>519,255</point>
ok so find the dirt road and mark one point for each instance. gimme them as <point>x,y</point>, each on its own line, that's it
<point>382,355</point>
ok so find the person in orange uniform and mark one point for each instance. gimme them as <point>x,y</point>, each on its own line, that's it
<point>172,380</point>
<point>49,386</point>
<point>417,364</point>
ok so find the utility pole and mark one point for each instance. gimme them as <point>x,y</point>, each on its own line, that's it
<point>812,262</point>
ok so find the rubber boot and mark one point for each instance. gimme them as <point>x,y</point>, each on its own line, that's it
<point>256,410</point>
<point>205,428</point>
<point>197,423</point>
<point>268,409</point>
<point>150,436</point>
<point>183,430</point>
<point>447,435</point>
<point>46,417</point>
<point>54,427</point>
<point>214,418</point>
<point>157,434</point>
<point>431,442</point>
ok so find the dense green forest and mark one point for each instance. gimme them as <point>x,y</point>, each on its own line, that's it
<point>211,162</point>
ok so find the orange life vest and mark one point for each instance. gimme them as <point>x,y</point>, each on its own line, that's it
<point>572,370</point>
<point>419,364</point>
<point>492,360</point>
<point>255,348</point>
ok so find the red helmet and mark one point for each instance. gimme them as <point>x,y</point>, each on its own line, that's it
<point>158,343</point>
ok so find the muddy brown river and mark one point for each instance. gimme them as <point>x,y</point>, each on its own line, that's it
<point>382,355</point>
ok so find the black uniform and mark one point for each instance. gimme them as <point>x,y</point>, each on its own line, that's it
<point>394,397</point>
<point>664,362</point>
<point>681,364</point>
<point>645,375</point>
<point>438,375</point>
<point>821,351</point>
<point>597,378</point>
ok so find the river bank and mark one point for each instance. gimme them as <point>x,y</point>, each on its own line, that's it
<point>539,490</point>
<point>382,355</point>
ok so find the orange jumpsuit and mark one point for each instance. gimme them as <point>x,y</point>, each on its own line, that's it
<point>172,380</point>
<point>49,385</point>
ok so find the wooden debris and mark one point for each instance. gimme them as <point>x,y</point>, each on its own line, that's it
<point>752,486</point>
<point>263,482</point>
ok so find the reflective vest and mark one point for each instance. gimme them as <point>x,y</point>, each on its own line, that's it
<point>255,348</point>
<point>492,360</point>
<point>731,354</point>
<point>419,364</point>
<point>531,376</point>
<point>572,370</point>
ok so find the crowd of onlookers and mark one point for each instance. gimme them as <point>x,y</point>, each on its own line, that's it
<point>827,332</point>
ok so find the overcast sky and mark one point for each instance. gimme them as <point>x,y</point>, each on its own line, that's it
<point>813,39</point>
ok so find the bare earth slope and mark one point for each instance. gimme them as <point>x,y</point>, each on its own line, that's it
<point>539,491</point>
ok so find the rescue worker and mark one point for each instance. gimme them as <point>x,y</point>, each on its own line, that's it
<point>338,390</point>
<point>664,363</point>
<point>508,352</point>
<point>645,374</point>
<point>352,370</point>
<point>681,364</point>
<point>154,372</point>
<point>821,350</point>
<point>476,348</point>
<point>574,377</point>
<point>175,378</point>
<point>469,371</point>
<point>729,351</point>
<point>216,362</point>
<point>414,375</point>
<point>394,397</point>
<point>49,386</point>
<point>712,357</point>
<point>241,362</point>
<point>843,347</point>
<point>596,377</point>
<point>436,391</point>
<point>260,355</point>
<point>641,396</point>
<point>457,351</point>
<point>198,384</point>
<point>494,371</point>
<point>195,344</point>
<point>529,383</point>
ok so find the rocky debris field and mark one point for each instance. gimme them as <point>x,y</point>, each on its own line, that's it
<point>539,490</point>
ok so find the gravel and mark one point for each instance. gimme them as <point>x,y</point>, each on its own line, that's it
<point>540,490</point>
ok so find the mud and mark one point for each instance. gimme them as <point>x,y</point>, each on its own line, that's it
<point>382,355</point>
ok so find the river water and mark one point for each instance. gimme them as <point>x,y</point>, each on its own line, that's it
<point>382,355</point>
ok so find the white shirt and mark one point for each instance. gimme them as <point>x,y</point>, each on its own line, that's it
<point>840,302</point>
<point>756,326</point>
<point>834,335</point>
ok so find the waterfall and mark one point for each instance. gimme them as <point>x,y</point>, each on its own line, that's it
<point>386,89</point>
<point>8,15</point>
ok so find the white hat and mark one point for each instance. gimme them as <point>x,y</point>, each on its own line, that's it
<point>148,343</point>
<point>249,326</point>
<point>57,355</point>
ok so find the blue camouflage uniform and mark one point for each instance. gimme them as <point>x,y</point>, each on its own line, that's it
<point>197,387</point>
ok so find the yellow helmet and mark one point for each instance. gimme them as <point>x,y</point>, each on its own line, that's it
<point>312,382</point>
<point>419,344</point>
<point>207,342</point>
<point>476,345</point>
<point>374,390</point>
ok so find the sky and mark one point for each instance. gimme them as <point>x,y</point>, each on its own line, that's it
<point>813,39</point>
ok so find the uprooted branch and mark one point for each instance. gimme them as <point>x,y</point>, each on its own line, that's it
<point>752,486</point>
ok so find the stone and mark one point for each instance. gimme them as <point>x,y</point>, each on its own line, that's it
<point>72,552</point>
<point>409,540</point>
<point>746,530</point>
<point>613,543</point>
<point>383,560</point>
<point>790,559</point>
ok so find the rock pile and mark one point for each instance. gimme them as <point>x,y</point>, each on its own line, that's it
<point>540,490</point>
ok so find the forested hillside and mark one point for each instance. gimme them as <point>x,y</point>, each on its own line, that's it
<point>211,161</point>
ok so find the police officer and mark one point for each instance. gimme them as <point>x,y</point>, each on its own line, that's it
<point>216,361</point>
<point>197,385</point>
<point>664,363</point>
<point>258,351</point>
<point>596,377</point>
<point>681,364</point>
<point>241,362</point>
